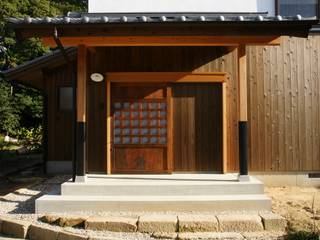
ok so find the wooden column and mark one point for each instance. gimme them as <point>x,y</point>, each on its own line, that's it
<point>81,113</point>
<point>108,100</point>
<point>243,112</point>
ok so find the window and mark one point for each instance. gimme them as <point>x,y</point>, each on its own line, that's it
<point>305,8</point>
<point>65,98</point>
<point>140,122</point>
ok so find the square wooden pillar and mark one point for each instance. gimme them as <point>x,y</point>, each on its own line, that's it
<point>81,104</point>
<point>243,113</point>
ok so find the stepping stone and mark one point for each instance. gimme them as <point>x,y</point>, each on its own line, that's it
<point>113,224</point>
<point>240,223</point>
<point>198,223</point>
<point>157,223</point>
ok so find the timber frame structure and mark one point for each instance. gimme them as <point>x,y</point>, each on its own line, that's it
<point>92,32</point>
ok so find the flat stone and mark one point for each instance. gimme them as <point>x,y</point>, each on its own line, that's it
<point>71,236</point>
<point>240,223</point>
<point>104,238</point>
<point>273,222</point>
<point>265,235</point>
<point>49,218</point>
<point>15,228</point>
<point>69,221</point>
<point>162,235</point>
<point>37,232</point>
<point>198,223</point>
<point>210,236</point>
<point>157,223</point>
<point>114,224</point>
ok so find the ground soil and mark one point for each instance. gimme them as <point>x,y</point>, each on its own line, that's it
<point>299,205</point>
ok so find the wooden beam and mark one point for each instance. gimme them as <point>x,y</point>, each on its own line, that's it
<point>242,75</point>
<point>224,129</point>
<point>108,96</point>
<point>164,40</point>
<point>135,77</point>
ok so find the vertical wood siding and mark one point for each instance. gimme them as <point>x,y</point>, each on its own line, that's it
<point>157,59</point>
<point>59,123</point>
<point>284,105</point>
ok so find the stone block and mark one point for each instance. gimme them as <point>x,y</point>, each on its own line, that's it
<point>158,223</point>
<point>198,223</point>
<point>240,223</point>
<point>114,224</point>
<point>162,235</point>
<point>210,236</point>
<point>71,221</point>
<point>71,236</point>
<point>15,228</point>
<point>49,218</point>
<point>37,232</point>
<point>265,235</point>
<point>273,222</point>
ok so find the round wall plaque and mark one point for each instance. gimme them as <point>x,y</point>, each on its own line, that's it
<point>96,77</point>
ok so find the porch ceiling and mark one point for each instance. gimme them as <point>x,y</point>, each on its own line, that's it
<point>183,29</point>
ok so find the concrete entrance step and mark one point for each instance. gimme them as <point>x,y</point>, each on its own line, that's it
<point>162,185</point>
<point>65,203</point>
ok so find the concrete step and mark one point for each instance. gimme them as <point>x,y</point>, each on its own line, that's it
<point>161,186</point>
<point>65,203</point>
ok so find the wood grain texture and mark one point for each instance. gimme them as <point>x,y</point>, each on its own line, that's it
<point>163,59</point>
<point>197,127</point>
<point>284,108</point>
<point>59,123</point>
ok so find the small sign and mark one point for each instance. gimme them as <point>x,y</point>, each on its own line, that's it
<point>96,77</point>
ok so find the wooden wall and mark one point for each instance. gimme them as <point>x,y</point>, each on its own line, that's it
<point>59,123</point>
<point>284,99</point>
<point>156,59</point>
<point>284,105</point>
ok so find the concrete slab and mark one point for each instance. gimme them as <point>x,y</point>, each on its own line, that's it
<point>57,203</point>
<point>198,223</point>
<point>240,223</point>
<point>158,223</point>
<point>160,185</point>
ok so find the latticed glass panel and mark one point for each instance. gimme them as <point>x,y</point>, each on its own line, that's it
<point>140,122</point>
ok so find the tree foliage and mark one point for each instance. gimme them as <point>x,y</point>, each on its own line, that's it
<point>22,107</point>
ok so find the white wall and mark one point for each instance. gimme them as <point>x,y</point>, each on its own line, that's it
<point>154,6</point>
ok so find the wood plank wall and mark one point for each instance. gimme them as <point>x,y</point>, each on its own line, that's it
<point>156,59</point>
<point>59,123</point>
<point>284,105</point>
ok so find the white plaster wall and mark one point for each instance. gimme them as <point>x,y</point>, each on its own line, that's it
<point>156,6</point>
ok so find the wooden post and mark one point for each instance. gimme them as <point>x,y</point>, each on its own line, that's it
<point>81,113</point>
<point>243,112</point>
<point>224,129</point>
<point>108,98</point>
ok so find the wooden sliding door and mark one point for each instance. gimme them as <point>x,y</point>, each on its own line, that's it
<point>197,127</point>
<point>139,128</point>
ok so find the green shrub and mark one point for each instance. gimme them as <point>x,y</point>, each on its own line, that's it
<point>31,138</point>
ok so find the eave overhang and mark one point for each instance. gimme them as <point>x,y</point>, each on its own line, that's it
<point>162,29</point>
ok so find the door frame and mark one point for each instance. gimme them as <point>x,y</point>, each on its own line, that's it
<point>168,77</point>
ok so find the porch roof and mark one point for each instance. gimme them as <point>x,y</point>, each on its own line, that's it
<point>31,72</point>
<point>162,24</point>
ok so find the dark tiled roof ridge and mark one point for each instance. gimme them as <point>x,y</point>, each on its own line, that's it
<point>103,18</point>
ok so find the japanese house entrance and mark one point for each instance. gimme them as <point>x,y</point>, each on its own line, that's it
<point>164,127</point>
